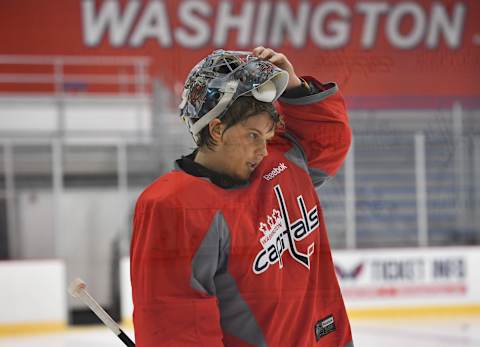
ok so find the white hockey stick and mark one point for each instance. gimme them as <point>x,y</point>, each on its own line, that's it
<point>78,289</point>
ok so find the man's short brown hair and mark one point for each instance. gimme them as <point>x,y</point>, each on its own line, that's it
<point>242,109</point>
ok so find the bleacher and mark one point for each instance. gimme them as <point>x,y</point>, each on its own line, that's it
<point>386,187</point>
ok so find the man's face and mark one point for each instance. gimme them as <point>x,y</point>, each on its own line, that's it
<point>244,145</point>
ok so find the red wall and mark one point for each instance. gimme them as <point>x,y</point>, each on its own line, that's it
<point>387,53</point>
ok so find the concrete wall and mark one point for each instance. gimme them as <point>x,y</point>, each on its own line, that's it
<point>89,223</point>
<point>75,114</point>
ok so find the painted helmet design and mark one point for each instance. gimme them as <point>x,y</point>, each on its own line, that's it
<point>219,79</point>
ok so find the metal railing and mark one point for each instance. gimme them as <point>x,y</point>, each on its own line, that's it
<point>409,193</point>
<point>74,74</point>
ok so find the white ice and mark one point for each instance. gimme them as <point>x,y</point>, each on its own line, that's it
<point>414,332</point>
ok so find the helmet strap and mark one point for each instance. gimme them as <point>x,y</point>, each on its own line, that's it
<point>230,89</point>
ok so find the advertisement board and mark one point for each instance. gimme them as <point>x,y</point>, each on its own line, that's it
<point>387,282</point>
<point>409,278</point>
<point>382,53</point>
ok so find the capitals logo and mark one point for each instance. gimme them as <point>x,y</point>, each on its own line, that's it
<point>280,234</point>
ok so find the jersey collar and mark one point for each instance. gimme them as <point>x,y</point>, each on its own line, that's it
<point>189,166</point>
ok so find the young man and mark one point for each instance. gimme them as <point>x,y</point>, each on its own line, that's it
<point>230,248</point>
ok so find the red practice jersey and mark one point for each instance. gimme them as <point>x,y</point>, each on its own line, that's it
<point>249,265</point>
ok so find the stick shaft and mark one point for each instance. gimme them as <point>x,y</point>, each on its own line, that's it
<point>105,317</point>
<point>99,311</point>
<point>126,340</point>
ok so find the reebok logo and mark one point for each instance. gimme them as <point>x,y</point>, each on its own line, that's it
<point>275,171</point>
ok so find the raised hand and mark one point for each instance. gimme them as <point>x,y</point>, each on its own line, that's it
<point>280,60</point>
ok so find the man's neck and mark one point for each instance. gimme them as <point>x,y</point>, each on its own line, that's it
<point>210,159</point>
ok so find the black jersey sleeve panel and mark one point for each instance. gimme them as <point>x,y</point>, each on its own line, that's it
<point>320,95</point>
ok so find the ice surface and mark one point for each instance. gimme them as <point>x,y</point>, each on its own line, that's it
<point>414,332</point>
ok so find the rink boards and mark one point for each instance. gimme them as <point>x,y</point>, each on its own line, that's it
<point>32,296</point>
<point>400,282</point>
<point>376,283</point>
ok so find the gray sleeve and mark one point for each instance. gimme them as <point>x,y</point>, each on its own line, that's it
<point>297,155</point>
<point>210,275</point>
<point>210,256</point>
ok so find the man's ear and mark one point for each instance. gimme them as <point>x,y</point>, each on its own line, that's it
<point>215,127</point>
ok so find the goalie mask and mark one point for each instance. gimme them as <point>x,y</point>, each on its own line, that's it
<point>219,79</point>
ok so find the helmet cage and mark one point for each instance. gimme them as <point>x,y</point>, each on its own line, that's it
<point>219,79</point>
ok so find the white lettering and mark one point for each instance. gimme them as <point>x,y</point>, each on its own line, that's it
<point>394,20</point>
<point>200,30</point>
<point>372,12</point>
<point>260,36</point>
<point>226,21</point>
<point>108,18</point>
<point>339,28</point>
<point>439,22</point>
<point>281,235</point>
<point>284,21</point>
<point>153,24</point>
<point>275,171</point>
<point>325,24</point>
